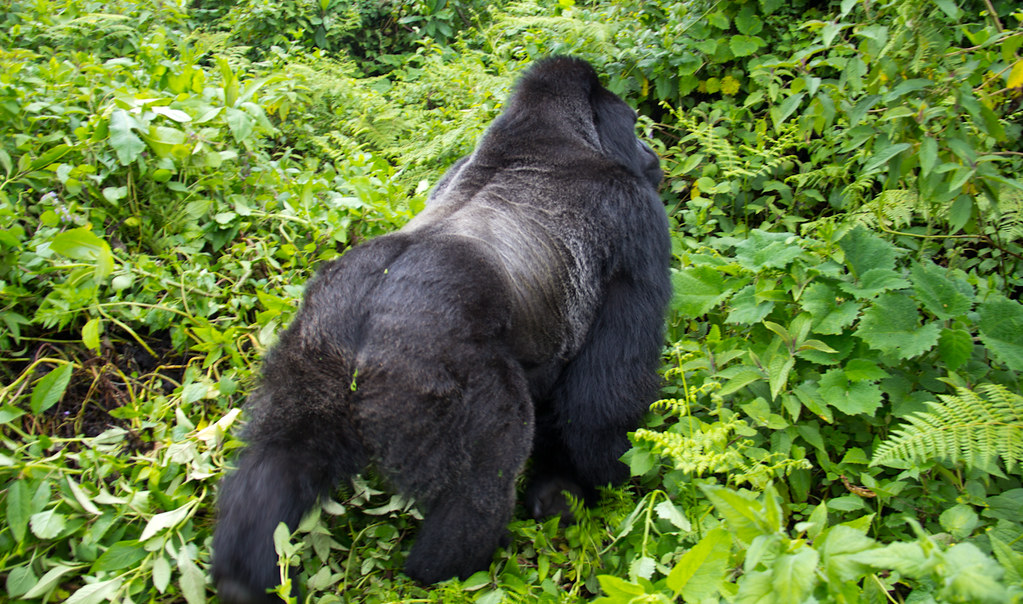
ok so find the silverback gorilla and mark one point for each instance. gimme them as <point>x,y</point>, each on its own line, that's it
<point>519,314</point>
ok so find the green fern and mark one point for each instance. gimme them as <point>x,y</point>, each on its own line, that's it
<point>973,428</point>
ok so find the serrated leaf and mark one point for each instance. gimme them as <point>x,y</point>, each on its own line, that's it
<point>743,45</point>
<point>859,370</point>
<point>794,576</point>
<point>767,250</point>
<point>747,516</point>
<point>50,388</point>
<point>865,250</point>
<point>670,512</point>
<point>972,576</point>
<point>839,550</point>
<point>875,281</point>
<point>746,309</point>
<point>642,566</point>
<point>849,397</point>
<point>831,314</point>
<point>955,347</point>
<point>892,325</point>
<point>747,21</point>
<point>700,571</point>
<point>1001,330</point>
<point>697,290</point>
<point>945,296</point>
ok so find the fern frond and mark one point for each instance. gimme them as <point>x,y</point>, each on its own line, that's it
<point>967,427</point>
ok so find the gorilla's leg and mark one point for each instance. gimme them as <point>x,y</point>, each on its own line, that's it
<point>300,446</point>
<point>599,397</point>
<point>458,454</point>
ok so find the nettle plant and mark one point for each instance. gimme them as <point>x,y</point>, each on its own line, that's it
<point>805,382</point>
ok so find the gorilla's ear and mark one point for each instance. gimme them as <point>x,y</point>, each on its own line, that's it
<point>615,123</point>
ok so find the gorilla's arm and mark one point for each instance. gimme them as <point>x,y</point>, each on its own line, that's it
<point>603,392</point>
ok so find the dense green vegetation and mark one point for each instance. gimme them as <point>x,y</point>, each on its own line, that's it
<point>842,417</point>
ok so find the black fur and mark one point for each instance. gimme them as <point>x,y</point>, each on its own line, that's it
<point>519,314</point>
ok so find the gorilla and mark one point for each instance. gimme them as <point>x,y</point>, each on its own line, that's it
<point>519,315</point>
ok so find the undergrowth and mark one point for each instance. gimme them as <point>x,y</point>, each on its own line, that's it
<point>840,419</point>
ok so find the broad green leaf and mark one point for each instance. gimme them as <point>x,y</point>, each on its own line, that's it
<point>767,250</point>
<point>82,499</point>
<point>955,347</point>
<point>1011,560</point>
<point>19,508</point>
<point>892,325</point>
<point>642,566</point>
<point>83,244</point>
<point>794,575</point>
<point>741,379</point>
<point>747,21</point>
<point>865,250</point>
<point>1001,330</point>
<point>163,139</point>
<point>831,314</point>
<point>122,139</point>
<point>166,520</point>
<point>192,581</point>
<point>747,516</point>
<point>240,123</point>
<point>972,576</point>
<point>19,580</point>
<point>959,521</point>
<point>670,512</point>
<point>161,573</point>
<point>123,554</point>
<point>883,155</point>
<point>849,397</point>
<point>928,155</point>
<point>616,588</point>
<point>839,550</point>
<point>778,373</point>
<point>743,46</point>
<point>94,593</point>
<point>90,334</point>
<point>785,109</point>
<point>697,290</point>
<point>51,579</point>
<point>699,572</point>
<point>1016,75</point>
<point>50,388</point>
<point>875,281</point>
<point>960,212</point>
<point>944,295</point>
<point>859,370</point>
<point>47,524</point>
<point>746,309</point>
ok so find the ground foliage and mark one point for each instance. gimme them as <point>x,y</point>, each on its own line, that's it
<point>841,417</point>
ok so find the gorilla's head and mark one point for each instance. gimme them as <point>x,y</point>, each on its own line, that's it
<point>563,95</point>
